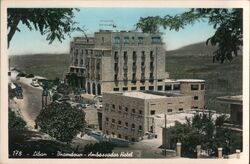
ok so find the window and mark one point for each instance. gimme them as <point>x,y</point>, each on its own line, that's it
<point>113,106</point>
<point>168,87</point>
<point>140,40</point>
<point>140,111</point>
<point>142,88</point>
<point>180,109</point>
<point>133,88</point>
<point>140,127</point>
<point>156,40</point>
<point>176,86</point>
<point>195,97</point>
<point>113,121</point>
<point>134,55</point>
<point>159,80</point>
<point>107,132</point>
<point>126,124</point>
<point>170,110</point>
<point>126,40</point>
<point>116,55</point>
<point>115,89</point>
<point>133,40</point>
<point>126,109</point>
<point>125,88</point>
<point>133,126</point>
<point>120,108</point>
<point>119,136</point>
<point>151,88</point>
<point>107,119</point>
<point>102,39</point>
<point>194,87</point>
<point>152,112</point>
<point>126,137</point>
<point>119,122</point>
<point>117,40</point>
<point>133,110</point>
<point>202,86</point>
<point>125,56</point>
<point>160,88</point>
<point>151,54</point>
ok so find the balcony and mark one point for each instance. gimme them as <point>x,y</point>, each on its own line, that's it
<point>116,68</point>
<point>143,57</point>
<point>134,68</point>
<point>151,68</point>
<point>116,77</point>
<point>142,66</point>
<point>116,59</point>
<point>142,79</point>
<point>133,80</point>
<point>98,77</point>
<point>125,67</point>
<point>151,78</point>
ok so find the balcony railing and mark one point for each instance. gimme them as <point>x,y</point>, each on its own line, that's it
<point>134,67</point>
<point>125,67</point>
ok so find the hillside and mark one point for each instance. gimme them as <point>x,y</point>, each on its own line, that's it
<point>197,49</point>
<point>46,65</point>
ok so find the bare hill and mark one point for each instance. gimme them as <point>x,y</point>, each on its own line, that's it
<point>46,65</point>
<point>197,49</point>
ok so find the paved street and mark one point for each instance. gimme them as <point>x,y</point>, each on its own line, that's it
<point>31,103</point>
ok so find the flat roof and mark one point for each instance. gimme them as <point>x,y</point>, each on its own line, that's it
<point>237,99</point>
<point>171,81</point>
<point>142,95</point>
<point>191,80</point>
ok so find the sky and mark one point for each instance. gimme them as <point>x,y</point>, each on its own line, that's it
<point>32,42</point>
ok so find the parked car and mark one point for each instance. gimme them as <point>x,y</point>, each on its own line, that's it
<point>34,83</point>
<point>30,75</point>
<point>21,74</point>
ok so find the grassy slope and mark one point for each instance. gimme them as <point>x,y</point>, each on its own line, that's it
<point>47,65</point>
<point>221,79</point>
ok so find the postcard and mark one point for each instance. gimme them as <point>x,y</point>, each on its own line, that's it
<point>124,81</point>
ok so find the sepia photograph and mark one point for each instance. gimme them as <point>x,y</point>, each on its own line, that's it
<point>117,82</point>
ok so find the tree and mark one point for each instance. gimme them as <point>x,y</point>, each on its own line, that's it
<point>203,130</point>
<point>16,122</point>
<point>53,22</point>
<point>227,22</point>
<point>61,121</point>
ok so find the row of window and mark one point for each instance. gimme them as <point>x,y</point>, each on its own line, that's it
<point>134,55</point>
<point>120,136</point>
<point>125,124</point>
<point>120,108</point>
<point>196,87</point>
<point>142,88</point>
<point>152,112</point>
<point>132,40</point>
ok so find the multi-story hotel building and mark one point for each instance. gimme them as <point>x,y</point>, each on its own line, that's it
<point>119,61</point>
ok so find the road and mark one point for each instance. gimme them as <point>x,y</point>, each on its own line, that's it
<point>31,104</point>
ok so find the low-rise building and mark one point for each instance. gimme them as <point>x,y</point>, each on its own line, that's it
<point>235,103</point>
<point>130,115</point>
